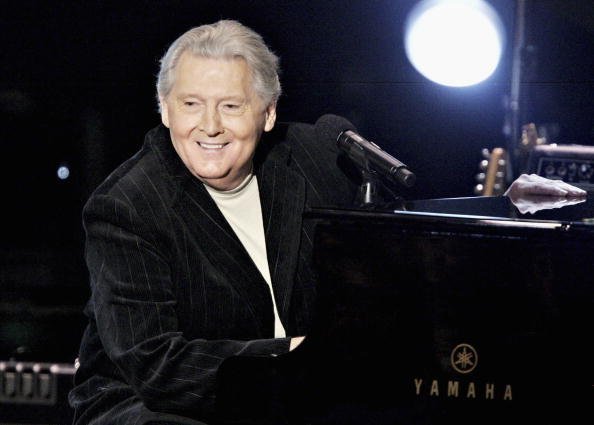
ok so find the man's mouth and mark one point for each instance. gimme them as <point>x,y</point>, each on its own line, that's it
<point>212,146</point>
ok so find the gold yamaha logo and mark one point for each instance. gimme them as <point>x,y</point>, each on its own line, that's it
<point>464,358</point>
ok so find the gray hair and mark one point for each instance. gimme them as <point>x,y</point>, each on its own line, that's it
<point>225,39</point>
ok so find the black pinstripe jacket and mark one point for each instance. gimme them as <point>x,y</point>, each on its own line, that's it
<point>174,292</point>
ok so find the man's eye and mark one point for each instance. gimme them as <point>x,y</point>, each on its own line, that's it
<point>232,108</point>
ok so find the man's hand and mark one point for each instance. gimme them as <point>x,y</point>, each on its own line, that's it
<point>533,184</point>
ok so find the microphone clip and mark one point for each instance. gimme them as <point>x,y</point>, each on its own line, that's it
<point>369,197</point>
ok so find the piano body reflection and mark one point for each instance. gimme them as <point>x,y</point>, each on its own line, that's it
<point>461,310</point>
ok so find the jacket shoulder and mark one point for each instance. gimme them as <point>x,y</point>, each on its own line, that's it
<point>144,175</point>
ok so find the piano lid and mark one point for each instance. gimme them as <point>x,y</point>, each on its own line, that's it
<point>500,213</point>
<point>541,208</point>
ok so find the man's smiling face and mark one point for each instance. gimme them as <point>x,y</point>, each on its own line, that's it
<point>215,118</point>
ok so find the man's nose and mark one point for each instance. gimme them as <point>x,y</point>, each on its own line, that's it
<point>210,122</point>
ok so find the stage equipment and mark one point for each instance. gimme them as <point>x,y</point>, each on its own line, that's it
<point>455,43</point>
<point>364,153</point>
<point>35,392</point>
<point>571,163</point>
<point>379,170</point>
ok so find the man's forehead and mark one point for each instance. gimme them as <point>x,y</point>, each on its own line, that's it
<point>205,76</point>
<point>193,66</point>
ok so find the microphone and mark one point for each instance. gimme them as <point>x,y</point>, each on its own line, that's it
<point>364,153</point>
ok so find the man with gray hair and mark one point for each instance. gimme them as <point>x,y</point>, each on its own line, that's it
<point>195,246</point>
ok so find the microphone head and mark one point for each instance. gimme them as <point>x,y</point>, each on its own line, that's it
<point>330,127</point>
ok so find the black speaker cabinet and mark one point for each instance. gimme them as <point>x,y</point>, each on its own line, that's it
<point>571,163</point>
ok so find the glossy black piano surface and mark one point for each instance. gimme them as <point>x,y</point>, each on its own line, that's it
<point>462,311</point>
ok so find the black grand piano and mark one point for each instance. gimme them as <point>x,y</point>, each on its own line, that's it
<point>447,311</point>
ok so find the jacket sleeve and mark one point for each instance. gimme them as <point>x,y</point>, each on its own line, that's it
<point>134,306</point>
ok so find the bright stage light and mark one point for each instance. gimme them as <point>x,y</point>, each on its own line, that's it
<point>454,42</point>
<point>63,172</point>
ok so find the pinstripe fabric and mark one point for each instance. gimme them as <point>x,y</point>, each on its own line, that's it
<point>174,292</point>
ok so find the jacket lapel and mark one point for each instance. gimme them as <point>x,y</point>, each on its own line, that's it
<point>282,195</point>
<point>224,250</point>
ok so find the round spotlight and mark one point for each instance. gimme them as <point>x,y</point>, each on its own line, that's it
<point>456,43</point>
<point>63,172</point>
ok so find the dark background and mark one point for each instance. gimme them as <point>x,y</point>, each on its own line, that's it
<point>77,87</point>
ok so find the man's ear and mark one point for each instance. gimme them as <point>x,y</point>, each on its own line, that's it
<point>164,112</point>
<point>270,117</point>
